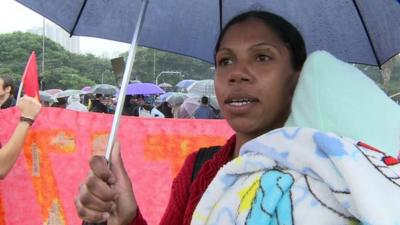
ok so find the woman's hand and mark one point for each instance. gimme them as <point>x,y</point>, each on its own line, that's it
<point>29,107</point>
<point>107,193</point>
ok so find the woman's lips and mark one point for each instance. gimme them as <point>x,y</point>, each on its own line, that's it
<point>239,106</point>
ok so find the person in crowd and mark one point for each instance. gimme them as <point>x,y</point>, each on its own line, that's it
<point>29,108</point>
<point>145,109</point>
<point>204,111</point>
<point>61,103</point>
<point>165,109</point>
<point>87,100</point>
<point>97,104</point>
<point>258,60</point>
<point>6,92</point>
<point>176,111</point>
<point>74,103</point>
<point>109,103</point>
<point>129,105</point>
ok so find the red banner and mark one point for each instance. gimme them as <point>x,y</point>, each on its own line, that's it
<point>31,78</point>
<point>41,187</point>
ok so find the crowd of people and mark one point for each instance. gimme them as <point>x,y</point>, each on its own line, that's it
<point>136,105</point>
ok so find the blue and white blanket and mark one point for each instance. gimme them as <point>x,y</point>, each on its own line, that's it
<point>303,176</point>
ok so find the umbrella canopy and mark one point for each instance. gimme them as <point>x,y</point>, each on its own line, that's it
<point>202,88</point>
<point>163,97</point>
<point>46,97</point>
<point>165,85</point>
<point>357,31</point>
<point>86,89</point>
<point>184,83</point>
<point>52,91</point>
<point>67,93</point>
<point>104,89</point>
<point>176,99</point>
<point>213,102</point>
<point>189,106</point>
<point>143,89</point>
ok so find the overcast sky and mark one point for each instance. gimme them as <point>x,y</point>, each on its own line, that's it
<point>16,17</point>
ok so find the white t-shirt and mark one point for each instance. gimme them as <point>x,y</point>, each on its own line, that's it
<point>153,113</point>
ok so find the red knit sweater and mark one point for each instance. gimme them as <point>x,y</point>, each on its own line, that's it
<point>185,195</point>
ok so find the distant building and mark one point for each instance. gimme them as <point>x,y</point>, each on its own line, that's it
<point>57,34</point>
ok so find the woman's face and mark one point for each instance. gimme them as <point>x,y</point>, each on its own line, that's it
<point>254,78</point>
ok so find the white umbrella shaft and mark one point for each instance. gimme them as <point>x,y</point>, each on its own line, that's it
<point>125,81</point>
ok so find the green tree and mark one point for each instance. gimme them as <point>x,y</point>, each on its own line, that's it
<point>66,77</point>
<point>63,69</point>
<point>150,62</point>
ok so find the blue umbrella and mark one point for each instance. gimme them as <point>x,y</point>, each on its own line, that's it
<point>357,31</point>
<point>163,97</point>
<point>183,85</point>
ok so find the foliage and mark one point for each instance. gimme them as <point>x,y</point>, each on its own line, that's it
<point>66,70</point>
<point>150,63</point>
<point>62,69</point>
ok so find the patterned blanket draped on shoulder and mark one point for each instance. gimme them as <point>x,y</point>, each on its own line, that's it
<point>303,176</point>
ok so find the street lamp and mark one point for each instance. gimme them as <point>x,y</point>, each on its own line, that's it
<point>167,72</point>
<point>102,75</point>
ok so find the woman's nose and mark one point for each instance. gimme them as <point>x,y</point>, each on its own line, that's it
<point>239,73</point>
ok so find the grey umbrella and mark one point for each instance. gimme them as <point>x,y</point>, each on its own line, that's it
<point>46,97</point>
<point>104,89</point>
<point>176,98</point>
<point>67,93</point>
<point>358,31</point>
<point>202,88</point>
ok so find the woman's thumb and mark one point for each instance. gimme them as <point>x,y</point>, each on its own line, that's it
<point>117,164</point>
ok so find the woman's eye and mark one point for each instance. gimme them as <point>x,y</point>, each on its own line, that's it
<point>262,58</point>
<point>224,62</point>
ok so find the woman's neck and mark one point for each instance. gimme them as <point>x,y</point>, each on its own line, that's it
<point>240,140</point>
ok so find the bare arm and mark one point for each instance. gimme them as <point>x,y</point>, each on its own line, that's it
<point>9,153</point>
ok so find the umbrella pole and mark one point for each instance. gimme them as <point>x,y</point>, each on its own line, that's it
<point>125,81</point>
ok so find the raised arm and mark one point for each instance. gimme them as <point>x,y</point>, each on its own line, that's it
<point>9,153</point>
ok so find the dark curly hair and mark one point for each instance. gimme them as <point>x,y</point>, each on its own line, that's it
<point>285,30</point>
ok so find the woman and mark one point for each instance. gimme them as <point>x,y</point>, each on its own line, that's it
<point>258,58</point>
<point>9,153</point>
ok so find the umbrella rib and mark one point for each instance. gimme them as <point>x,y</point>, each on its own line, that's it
<point>367,32</point>
<point>78,18</point>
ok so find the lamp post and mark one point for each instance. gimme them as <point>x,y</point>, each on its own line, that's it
<point>167,72</point>
<point>102,75</point>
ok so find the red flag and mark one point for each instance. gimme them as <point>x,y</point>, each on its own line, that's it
<point>31,78</point>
